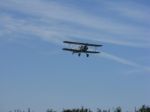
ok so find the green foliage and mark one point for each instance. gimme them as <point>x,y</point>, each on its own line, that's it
<point>118,109</point>
<point>77,110</point>
<point>50,110</point>
<point>144,109</point>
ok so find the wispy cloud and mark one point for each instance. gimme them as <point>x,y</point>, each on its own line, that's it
<point>131,9</point>
<point>118,59</point>
<point>54,22</point>
<point>121,60</point>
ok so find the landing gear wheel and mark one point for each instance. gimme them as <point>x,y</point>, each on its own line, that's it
<point>87,55</point>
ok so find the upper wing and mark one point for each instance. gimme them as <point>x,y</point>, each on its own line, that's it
<point>79,43</point>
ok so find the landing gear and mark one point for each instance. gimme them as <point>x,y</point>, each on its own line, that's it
<point>79,54</point>
<point>87,55</point>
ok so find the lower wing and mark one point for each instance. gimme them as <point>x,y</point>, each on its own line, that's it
<point>95,52</point>
<point>77,51</point>
<point>72,50</point>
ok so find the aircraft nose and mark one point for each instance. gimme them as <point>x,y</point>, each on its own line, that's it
<point>86,47</point>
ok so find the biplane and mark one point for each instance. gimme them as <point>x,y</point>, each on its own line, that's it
<point>82,48</point>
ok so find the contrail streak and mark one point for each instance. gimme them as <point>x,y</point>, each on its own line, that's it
<point>124,61</point>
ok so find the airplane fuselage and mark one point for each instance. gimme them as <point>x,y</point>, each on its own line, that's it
<point>83,48</point>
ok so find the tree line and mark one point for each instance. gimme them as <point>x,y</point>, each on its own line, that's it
<point>143,108</point>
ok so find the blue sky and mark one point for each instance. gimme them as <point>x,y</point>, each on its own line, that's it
<point>36,73</point>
